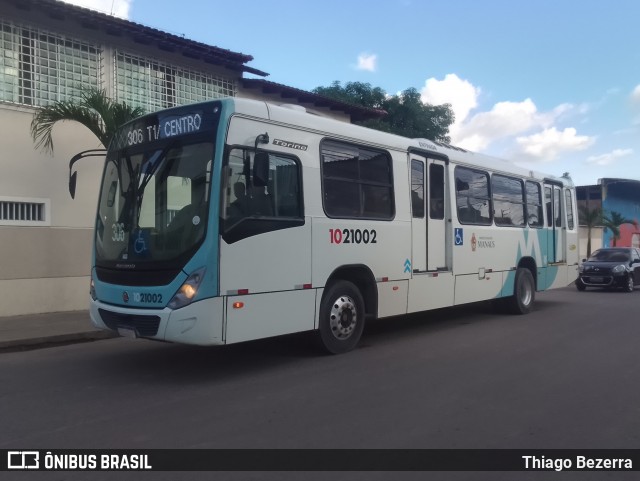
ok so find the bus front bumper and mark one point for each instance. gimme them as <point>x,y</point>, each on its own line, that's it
<point>200,323</point>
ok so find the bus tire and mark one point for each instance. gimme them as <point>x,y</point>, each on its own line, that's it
<point>342,317</point>
<point>524,292</point>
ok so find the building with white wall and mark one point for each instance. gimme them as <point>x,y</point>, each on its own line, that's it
<point>49,48</point>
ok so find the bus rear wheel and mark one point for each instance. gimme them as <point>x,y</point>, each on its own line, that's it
<point>341,317</point>
<point>524,292</point>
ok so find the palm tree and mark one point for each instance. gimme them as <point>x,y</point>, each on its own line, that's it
<point>93,109</point>
<point>613,221</point>
<point>589,218</point>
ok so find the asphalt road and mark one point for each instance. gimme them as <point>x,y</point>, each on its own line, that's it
<point>564,376</point>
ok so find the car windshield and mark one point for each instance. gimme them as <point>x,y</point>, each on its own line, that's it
<point>610,255</point>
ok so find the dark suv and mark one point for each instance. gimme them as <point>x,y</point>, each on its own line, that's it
<point>611,267</point>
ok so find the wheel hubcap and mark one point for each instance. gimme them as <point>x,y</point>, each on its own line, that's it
<point>343,317</point>
<point>526,293</point>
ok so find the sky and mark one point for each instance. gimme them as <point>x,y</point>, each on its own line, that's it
<point>552,85</point>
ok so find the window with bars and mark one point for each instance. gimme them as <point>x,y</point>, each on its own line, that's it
<point>19,211</point>
<point>154,85</point>
<point>38,67</point>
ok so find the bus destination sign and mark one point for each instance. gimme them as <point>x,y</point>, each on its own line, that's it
<point>174,123</point>
<point>165,128</point>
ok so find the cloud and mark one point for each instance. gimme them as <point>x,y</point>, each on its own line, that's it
<point>367,62</point>
<point>547,145</point>
<point>610,158</point>
<point>520,127</point>
<point>461,94</point>
<point>504,120</point>
<point>118,8</point>
<point>635,95</point>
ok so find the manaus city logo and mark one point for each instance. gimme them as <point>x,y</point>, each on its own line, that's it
<point>482,242</point>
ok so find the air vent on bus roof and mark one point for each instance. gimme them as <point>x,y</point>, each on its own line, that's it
<point>448,146</point>
<point>299,108</point>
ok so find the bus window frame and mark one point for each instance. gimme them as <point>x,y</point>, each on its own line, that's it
<point>489,199</point>
<point>359,181</point>
<point>253,225</point>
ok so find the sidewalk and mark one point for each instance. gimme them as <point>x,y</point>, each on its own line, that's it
<point>33,331</point>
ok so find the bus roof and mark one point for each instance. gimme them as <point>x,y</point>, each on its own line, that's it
<point>297,117</point>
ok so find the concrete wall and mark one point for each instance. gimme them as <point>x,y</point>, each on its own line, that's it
<point>596,240</point>
<point>46,268</point>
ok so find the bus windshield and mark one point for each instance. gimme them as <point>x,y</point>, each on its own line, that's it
<point>154,202</point>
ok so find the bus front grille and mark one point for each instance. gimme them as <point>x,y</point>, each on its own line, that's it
<point>145,326</point>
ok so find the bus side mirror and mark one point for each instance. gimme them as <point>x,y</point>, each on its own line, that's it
<point>261,169</point>
<point>73,179</point>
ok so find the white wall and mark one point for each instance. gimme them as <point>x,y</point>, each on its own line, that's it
<point>46,269</point>
<point>596,240</point>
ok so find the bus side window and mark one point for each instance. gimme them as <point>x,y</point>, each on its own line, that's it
<point>436,191</point>
<point>357,181</point>
<point>569,206</point>
<point>547,200</point>
<point>534,204</point>
<point>251,205</point>
<point>557,203</point>
<point>472,196</point>
<point>417,189</point>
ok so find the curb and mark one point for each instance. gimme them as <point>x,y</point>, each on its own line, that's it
<point>29,344</point>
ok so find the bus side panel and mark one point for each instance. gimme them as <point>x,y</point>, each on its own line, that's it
<point>270,314</point>
<point>556,276</point>
<point>383,247</point>
<point>478,287</point>
<point>272,261</point>
<point>392,297</point>
<point>198,323</point>
<point>431,291</point>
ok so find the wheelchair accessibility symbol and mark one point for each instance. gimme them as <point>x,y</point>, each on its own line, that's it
<point>459,237</point>
<point>141,243</point>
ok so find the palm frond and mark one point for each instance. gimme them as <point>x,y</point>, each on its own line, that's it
<point>45,119</point>
<point>94,109</point>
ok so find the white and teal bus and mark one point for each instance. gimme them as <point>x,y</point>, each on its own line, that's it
<point>235,220</point>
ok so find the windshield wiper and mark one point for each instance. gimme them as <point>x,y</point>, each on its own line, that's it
<point>152,167</point>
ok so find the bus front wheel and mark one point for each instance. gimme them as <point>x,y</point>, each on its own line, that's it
<point>524,292</point>
<point>341,317</point>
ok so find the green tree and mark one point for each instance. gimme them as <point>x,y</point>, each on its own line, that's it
<point>93,109</point>
<point>357,93</point>
<point>613,221</point>
<point>589,218</point>
<point>406,115</point>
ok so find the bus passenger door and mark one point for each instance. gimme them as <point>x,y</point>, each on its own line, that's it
<point>436,222</point>
<point>418,218</point>
<point>428,214</point>
<point>555,234</point>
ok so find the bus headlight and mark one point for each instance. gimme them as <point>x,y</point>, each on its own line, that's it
<point>92,289</point>
<point>187,291</point>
